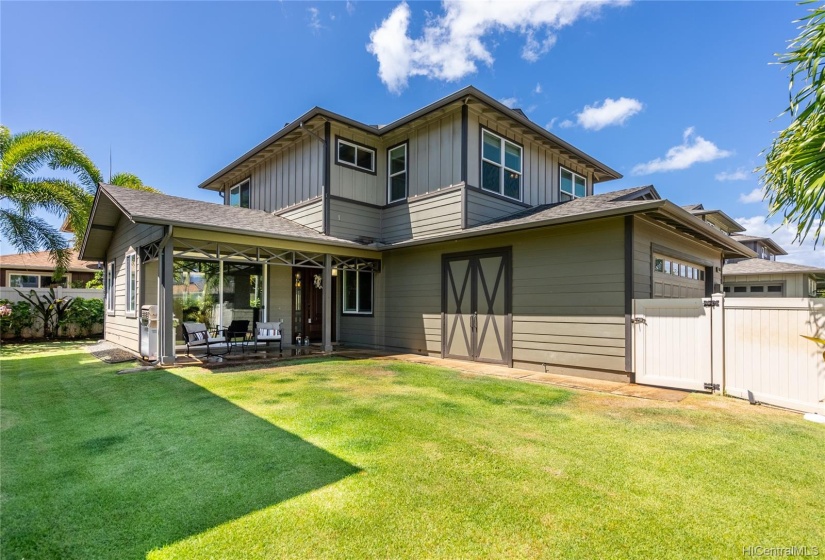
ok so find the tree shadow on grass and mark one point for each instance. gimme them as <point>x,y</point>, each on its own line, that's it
<point>103,466</point>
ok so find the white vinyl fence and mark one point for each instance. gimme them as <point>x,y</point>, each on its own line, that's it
<point>751,348</point>
<point>85,293</point>
<point>36,331</point>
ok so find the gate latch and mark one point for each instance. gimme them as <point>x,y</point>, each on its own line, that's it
<point>638,321</point>
<point>711,303</point>
<point>711,386</point>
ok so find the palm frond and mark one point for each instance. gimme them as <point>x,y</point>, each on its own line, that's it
<point>26,152</point>
<point>30,234</point>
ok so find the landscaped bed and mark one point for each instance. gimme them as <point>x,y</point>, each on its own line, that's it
<point>384,459</point>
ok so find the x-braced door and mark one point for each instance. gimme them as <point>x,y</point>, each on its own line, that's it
<point>476,306</point>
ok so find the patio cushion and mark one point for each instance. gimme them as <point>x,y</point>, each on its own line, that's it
<point>197,337</point>
<point>271,331</point>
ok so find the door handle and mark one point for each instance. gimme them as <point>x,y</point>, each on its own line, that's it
<point>474,321</point>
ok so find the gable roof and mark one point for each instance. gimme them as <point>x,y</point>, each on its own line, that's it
<point>764,266</point>
<point>144,207</point>
<point>603,172</point>
<point>41,260</point>
<point>767,241</point>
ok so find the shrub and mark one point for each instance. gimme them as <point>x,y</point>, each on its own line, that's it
<point>14,317</point>
<point>85,313</point>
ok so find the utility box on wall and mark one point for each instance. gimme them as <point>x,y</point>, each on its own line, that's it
<point>149,332</point>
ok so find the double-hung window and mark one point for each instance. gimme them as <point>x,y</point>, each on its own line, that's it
<point>131,284</point>
<point>397,173</point>
<point>355,155</point>
<point>500,165</point>
<point>110,287</point>
<point>358,292</point>
<point>572,184</point>
<point>239,194</point>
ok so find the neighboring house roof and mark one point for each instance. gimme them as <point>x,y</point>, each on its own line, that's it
<point>763,266</point>
<point>154,208</point>
<point>770,243</point>
<point>603,172</point>
<point>42,260</point>
<point>724,221</point>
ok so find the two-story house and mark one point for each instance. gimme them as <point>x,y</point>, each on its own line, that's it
<point>462,230</point>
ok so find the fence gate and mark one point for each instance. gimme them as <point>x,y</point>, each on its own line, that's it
<point>673,343</point>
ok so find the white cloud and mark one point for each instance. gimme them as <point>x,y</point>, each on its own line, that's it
<point>756,195</point>
<point>314,19</point>
<point>693,149</point>
<point>538,89</point>
<point>509,102</point>
<point>452,44</point>
<point>549,125</point>
<point>784,236</point>
<point>738,175</point>
<point>566,123</point>
<point>610,112</point>
<point>350,7</point>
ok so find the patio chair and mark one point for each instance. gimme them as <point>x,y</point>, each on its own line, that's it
<point>196,335</point>
<point>236,329</point>
<point>268,332</point>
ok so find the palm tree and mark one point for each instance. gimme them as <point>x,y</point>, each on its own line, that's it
<point>131,181</point>
<point>23,192</point>
<point>794,172</point>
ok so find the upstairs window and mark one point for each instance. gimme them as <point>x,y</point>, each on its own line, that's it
<point>397,173</point>
<point>239,195</point>
<point>572,185</point>
<point>355,155</point>
<point>500,165</point>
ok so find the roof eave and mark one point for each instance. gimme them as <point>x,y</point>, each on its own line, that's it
<point>608,172</point>
<point>240,231</point>
<point>724,241</point>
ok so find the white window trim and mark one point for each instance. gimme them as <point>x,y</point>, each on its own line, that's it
<point>131,298</point>
<point>238,186</point>
<point>391,175</point>
<point>357,148</point>
<point>357,293</point>
<point>573,194</point>
<point>503,165</point>
<point>67,277</point>
<point>111,274</point>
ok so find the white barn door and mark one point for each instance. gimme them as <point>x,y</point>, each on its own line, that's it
<point>672,343</point>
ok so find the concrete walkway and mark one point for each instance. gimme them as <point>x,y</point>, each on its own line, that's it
<point>612,387</point>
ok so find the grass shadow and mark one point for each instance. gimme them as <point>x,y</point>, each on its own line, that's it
<point>103,466</point>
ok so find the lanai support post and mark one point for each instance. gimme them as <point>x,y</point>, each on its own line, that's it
<point>327,307</point>
<point>166,336</point>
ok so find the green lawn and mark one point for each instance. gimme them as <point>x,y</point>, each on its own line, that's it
<point>377,459</point>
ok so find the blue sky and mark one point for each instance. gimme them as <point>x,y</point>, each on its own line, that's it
<point>681,95</point>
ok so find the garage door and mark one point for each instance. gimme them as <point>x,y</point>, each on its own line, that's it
<point>677,278</point>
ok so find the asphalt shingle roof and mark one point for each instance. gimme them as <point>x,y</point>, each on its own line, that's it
<point>586,205</point>
<point>764,266</point>
<point>42,260</point>
<point>150,207</point>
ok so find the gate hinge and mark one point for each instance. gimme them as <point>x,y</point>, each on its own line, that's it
<point>711,386</point>
<point>711,303</point>
<point>638,320</point>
